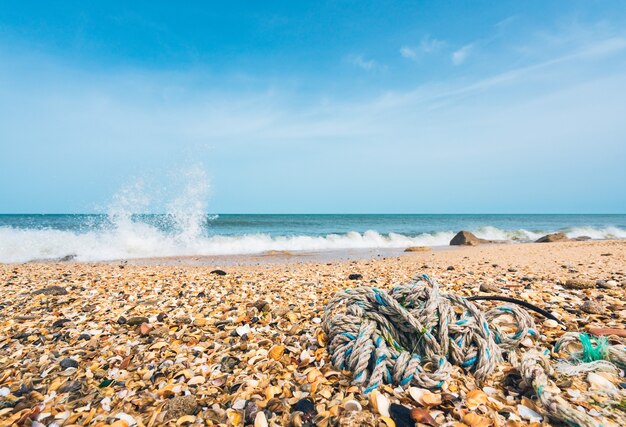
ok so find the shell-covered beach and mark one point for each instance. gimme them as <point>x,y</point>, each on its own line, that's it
<point>147,344</point>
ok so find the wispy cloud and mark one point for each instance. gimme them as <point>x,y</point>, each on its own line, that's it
<point>460,56</point>
<point>427,45</point>
<point>363,62</point>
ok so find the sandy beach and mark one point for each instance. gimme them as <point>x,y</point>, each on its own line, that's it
<point>175,342</point>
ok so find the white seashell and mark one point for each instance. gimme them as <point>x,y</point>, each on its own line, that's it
<point>106,403</point>
<point>196,380</point>
<point>62,415</point>
<point>239,404</point>
<point>575,394</point>
<point>352,405</point>
<point>317,320</point>
<point>380,403</point>
<point>260,420</point>
<point>306,357</point>
<point>242,330</point>
<point>528,414</point>
<point>128,418</point>
<point>4,391</point>
<point>490,391</point>
<point>551,323</point>
<point>424,397</point>
<point>598,382</point>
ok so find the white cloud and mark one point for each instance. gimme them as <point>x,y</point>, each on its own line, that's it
<point>459,56</point>
<point>427,45</point>
<point>361,62</point>
<point>407,52</point>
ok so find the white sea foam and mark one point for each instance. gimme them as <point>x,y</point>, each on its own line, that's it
<point>133,239</point>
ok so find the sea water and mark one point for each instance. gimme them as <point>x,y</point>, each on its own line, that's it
<point>187,230</point>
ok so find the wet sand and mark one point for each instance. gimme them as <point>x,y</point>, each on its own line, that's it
<point>123,343</point>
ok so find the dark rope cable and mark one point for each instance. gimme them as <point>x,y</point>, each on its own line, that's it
<point>515,301</point>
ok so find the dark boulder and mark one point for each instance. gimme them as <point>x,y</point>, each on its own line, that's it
<point>554,237</point>
<point>465,238</point>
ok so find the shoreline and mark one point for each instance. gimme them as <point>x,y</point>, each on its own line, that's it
<point>304,257</point>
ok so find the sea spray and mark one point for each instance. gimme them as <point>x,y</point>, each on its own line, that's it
<point>128,232</point>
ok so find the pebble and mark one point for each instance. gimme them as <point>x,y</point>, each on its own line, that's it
<point>137,320</point>
<point>69,363</point>
<point>489,287</point>
<point>592,307</point>
<point>579,284</point>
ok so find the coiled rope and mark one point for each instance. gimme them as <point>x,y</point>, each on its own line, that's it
<point>413,334</point>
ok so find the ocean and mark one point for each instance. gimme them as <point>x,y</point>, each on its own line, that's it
<point>122,235</point>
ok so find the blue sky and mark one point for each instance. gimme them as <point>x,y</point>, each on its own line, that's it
<point>407,107</point>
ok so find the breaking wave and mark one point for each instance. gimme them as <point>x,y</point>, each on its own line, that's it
<point>186,229</point>
<point>135,239</point>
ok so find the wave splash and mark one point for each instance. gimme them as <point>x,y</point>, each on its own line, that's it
<point>185,231</point>
<point>134,239</point>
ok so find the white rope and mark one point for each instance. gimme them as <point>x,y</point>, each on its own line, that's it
<point>413,334</point>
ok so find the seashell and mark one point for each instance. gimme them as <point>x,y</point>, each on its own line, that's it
<point>185,419</point>
<point>380,403</point>
<point>424,397</point>
<point>598,382</point>
<point>243,330</point>
<point>475,420</point>
<point>551,323</point>
<point>352,405</point>
<point>219,381</point>
<point>422,416</point>
<point>260,420</point>
<point>234,417</point>
<point>128,418</point>
<point>475,398</point>
<point>305,357</point>
<point>276,352</point>
<point>196,380</point>
<point>321,338</point>
<point>239,404</point>
<point>272,391</point>
<point>388,421</point>
<point>5,391</point>
<point>528,414</point>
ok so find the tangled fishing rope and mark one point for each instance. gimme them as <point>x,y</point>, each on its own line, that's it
<point>413,334</point>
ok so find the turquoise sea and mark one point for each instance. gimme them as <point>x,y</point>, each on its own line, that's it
<point>124,236</point>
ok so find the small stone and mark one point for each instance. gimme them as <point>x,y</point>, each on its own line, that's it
<point>69,363</point>
<point>489,287</point>
<point>59,323</point>
<point>51,291</point>
<point>121,320</point>
<point>355,276</point>
<point>70,386</point>
<point>180,406</point>
<point>592,307</point>
<point>579,284</point>
<point>136,321</point>
<point>609,284</point>
<point>219,272</point>
<point>450,268</point>
<point>418,249</point>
